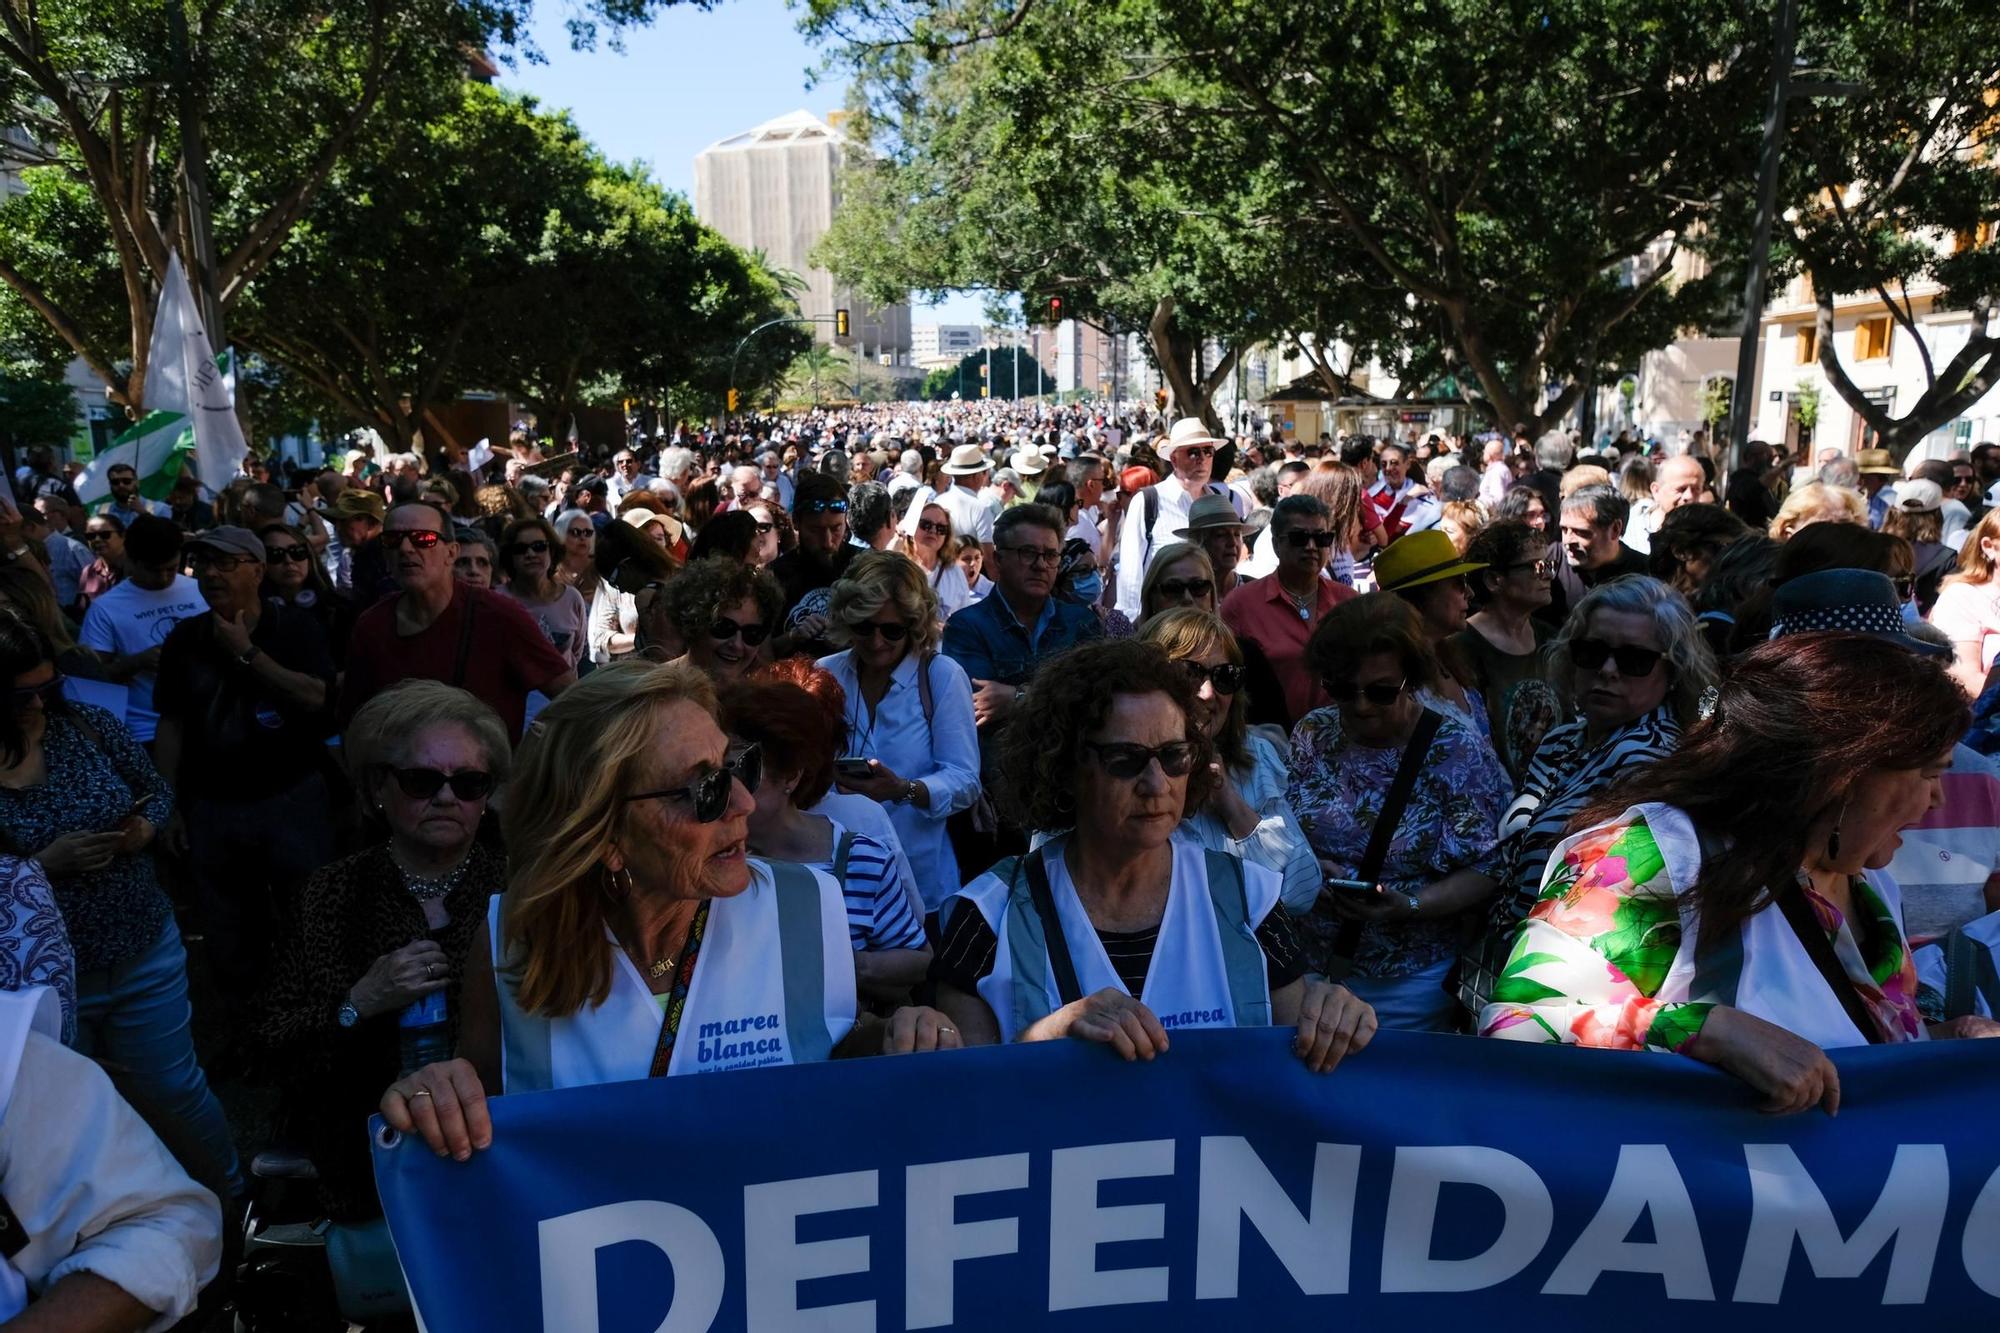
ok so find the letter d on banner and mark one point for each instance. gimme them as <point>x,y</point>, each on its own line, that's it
<point>569,1246</point>
<point>1412,1216</point>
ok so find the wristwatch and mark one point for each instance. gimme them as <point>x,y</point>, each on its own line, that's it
<point>249,655</point>
<point>348,1014</point>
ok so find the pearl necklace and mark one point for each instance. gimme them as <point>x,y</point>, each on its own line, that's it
<point>430,889</point>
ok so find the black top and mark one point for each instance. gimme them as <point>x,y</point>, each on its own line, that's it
<point>241,739</point>
<point>1750,499</point>
<point>1628,561</point>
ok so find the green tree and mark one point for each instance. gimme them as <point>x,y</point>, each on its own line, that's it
<point>1015,374</point>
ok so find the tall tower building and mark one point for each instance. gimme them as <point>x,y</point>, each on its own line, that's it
<point>774,189</point>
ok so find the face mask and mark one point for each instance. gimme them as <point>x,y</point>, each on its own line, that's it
<point>1087,588</point>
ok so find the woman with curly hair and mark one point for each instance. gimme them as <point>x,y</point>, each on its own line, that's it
<point>724,612</point>
<point>1114,930</point>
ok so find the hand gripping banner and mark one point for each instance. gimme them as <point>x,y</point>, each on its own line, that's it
<point>1433,1181</point>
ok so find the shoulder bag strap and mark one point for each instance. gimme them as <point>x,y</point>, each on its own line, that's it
<point>464,639</point>
<point>1384,832</point>
<point>1961,963</point>
<point>1804,922</point>
<point>1053,939</point>
<point>842,849</point>
<point>924,697</point>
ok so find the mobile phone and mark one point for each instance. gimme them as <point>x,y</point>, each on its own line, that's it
<point>853,766</point>
<point>1352,885</point>
<point>138,809</point>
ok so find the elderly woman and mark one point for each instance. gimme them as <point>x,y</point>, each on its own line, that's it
<point>579,544</point>
<point>1115,930</point>
<point>798,740</point>
<point>1180,574</point>
<point>528,551</point>
<point>909,711</point>
<point>388,929</point>
<point>1246,814</point>
<point>1726,901</point>
<point>1502,640</point>
<point>1631,663</point>
<point>723,611</point>
<point>631,896</point>
<point>478,555</point>
<point>1426,570</point>
<point>1816,502</point>
<point>1403,884</point>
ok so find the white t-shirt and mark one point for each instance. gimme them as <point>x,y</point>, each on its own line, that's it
<point>126,620</point>
<point>971,517</point>
<point>1970,613</point>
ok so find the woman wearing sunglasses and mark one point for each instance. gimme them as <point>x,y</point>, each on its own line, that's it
<point>908,710</point>
<point>1426,570</point>
<point>1397,902</point>
<point>1279,611</point>
<point>723,611</point>
<point>579,545</point>
<point>637,937</point>
<point>1247,814</point>
<point>528,551</point>
<point>1181,575</point>
<point>294,574</point>
<point>1630,665</point>
<point>1113,929</point>
<point>926,537</point>
<point>389,927</point>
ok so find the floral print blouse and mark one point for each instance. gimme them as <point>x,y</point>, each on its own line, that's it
<point>1452,823</point>
<point>1591,959</point>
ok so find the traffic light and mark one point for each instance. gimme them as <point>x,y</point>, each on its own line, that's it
<point>1055,310</point>
<point>732,400</point>
<point>1160,399</point>
<point>840,323</point>
<point>982,370</point>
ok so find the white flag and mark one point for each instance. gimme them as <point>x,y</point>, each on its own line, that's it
<point>183,377</point>
<point>479,455</point>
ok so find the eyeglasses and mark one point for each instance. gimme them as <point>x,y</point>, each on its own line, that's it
<point>467,784</point>
<point>95,535</point>
<point>1195,451</point>
<point>893,632</point>
<point>49,691</point>
<point>1300,540</point>
<point>823,506</point>
<point>279,555</point>
<point>1033,555</point>
<point>725,629</point>
<point>580,534</point>
<point>1632,661</point>
<point>536,547</point>
<point>423,539</point>
<point>1541,569</point>
<point>1379,693</point>
<point>709,793</point>
<point>1197,589</point>
<point>934,529</point>
<point>1226,677</point>
<point>1126,762</point>
<point>766,529</point>
<point>216,560</point>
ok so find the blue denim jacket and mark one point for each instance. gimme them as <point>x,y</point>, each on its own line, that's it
<point>991,644</point>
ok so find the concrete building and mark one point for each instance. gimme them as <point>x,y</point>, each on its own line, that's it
<point>934,345</point>
<point>774,189</point>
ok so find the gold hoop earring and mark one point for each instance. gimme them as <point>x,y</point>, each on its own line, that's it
<point>617,884</point>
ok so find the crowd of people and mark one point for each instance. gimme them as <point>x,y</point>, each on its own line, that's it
<point>912,727</point>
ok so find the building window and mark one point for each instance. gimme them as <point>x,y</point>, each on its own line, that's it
<point>1871,339</point>
<point>1805,346</point>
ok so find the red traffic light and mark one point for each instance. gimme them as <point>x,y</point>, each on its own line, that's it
<point>1055,310</point>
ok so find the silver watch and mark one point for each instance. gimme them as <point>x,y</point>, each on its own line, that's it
<point>348,1014</point>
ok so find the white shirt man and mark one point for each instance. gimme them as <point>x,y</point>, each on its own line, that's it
<point>1190,450</point>
<point>966,499</point>
<point>626,475</point>
<point>1679,481</point>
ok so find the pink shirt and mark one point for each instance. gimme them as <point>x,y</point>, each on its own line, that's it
<point>1260,610</point>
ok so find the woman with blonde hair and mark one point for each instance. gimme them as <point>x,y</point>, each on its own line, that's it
<point>1180,574</point>
<point>635,926</point>
<point>1246,814</point>
<point>1968,606</point>
<point>928,537</point>
<point>908,714</point>
<point>1338,487</point>
<point>1817,502</point>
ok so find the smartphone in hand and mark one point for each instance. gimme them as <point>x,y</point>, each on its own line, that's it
<point>854,768</point>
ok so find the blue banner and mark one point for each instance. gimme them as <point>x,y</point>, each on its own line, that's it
<point>1436,1181</point>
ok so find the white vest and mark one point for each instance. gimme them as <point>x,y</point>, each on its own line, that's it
<point>1770,975</point>
<point>21,1012</point>
<point>774,985</point>
<point>1208,970</point>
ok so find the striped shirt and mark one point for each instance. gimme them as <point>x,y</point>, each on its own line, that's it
<point>878,911</point>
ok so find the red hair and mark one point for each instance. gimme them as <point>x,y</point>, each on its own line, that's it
<point>800,728</point>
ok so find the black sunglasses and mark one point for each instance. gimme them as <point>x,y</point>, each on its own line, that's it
<point>1226,677</point>
<point>1195,588</point>
<point>1300,540</point>
<point>94,537</point>
<point>934,529</point>
<point>823,506</point>
<point>893,632</point>
<point>709,793</point>
<point>1126,762</point>
<point>420,784</point>
<point>1633,661</point>
<point>279,555</point>
<point>725,629</point>
<point>536,547</point>
<point>1381,693</point>
<point>423,539</point>
<point>765,529</point>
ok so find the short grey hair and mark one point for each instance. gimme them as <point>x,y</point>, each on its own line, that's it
<point>1460,483</point>
<point>1554,450</point>
<point>675,461</point>
<point>1685,646</point>
<point>1843,472</point>
<point>1605,504</point>
<point>911,462</point>
<point>382,729</point>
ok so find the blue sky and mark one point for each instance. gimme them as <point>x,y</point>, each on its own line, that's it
<point>684,82</point>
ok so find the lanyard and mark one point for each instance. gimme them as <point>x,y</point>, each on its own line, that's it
<point>670,1025</point>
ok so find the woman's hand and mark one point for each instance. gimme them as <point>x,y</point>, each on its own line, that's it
<point>1369,906</point>
<point>445,1104</point>
<point>883,783</point>
<point>398,979</point>
<point>1111,1017</point>
<point>134,835</point>
<point>1228,805</point>
<point>1333,1022</point>
<point>76,854</point>
<point>917,1028</point>
<point>1964,1027</point>
<point>1789,1072</point>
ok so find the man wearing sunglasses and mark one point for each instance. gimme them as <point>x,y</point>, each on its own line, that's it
<point>437,628</point>
<point>1279,611</point>
<point>242,698</point>
<point>1157,512</point>
<point>127,624</point>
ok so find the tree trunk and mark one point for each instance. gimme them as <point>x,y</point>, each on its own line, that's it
<point>1175,353</point>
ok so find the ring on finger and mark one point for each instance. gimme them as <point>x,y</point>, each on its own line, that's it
<point>420,1092</point>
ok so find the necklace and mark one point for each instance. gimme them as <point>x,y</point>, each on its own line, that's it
<point>659,967</point>
<point>1303,605</point>
<point>430,889</point>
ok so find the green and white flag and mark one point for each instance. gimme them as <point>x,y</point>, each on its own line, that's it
<point>191,397</point>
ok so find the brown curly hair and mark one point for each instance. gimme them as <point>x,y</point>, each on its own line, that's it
<point>699,592</point>
<point>1041,748</point>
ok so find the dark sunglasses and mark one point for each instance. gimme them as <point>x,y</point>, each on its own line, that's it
<point>95,537</point>
<point>536,547</point>
<point>1381,693</point>
<point>934,529</point>
<point>1226,677</point>
<point>892,632</point>
<point>420,784</point>
<point>823,506</point>
<point>725,629</point>
<point>1126,762</point>
<point>279,555</point>
<point>709,793</point>
<point>1633,662</point>
<point>1300,540</point>
<point>1195,451</point>
<point>766,529</point>
<point>423,539</point>
<point>1540,568</point>
<point>1195,588</point>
